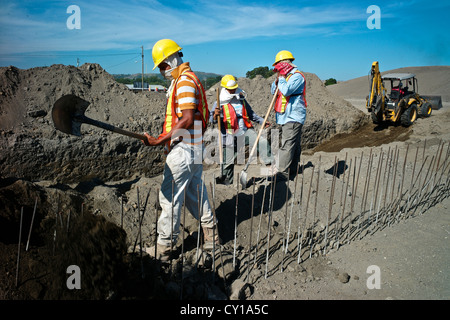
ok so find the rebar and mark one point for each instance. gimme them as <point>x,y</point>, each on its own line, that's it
<point>299,214</point>
<point>213,209</point>
<point>285,221</point>
<point>251,229</point>
<point>260,220</point>
<point>315,209</point>
<point>269,224</point>
<point>292,208</point>
<point>235,221</point>
<point>156,219</point>
<point>182,243</point>
<point>375,188</point>
<point>31,225</point>
<point>330,205</point>
<point>338,232</point>
<point>18,247</point>
<point>306,216</point>
<point>364,196</point>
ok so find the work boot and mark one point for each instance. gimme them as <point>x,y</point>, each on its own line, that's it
<point>223,180</point>
<point>210,236</point>
<point>162,252</point>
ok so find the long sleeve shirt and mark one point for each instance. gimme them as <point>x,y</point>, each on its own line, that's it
<point>236,101</point>
<point>296,107</point>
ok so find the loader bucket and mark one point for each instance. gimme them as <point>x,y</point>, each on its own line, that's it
<point>436,101</point>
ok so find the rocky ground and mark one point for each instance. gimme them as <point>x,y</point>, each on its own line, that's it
<point>86,190</point>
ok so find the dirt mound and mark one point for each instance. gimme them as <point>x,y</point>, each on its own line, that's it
<point>32,149</point>
<point>433,81</point>
<point>327,113</point>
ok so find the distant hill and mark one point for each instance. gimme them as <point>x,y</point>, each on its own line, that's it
<point>433,80</point>
<point>201,75</point>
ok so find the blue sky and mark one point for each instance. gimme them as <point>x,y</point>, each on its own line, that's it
<point>328,38</point>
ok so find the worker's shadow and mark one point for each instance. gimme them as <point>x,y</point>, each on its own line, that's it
<point>337,169</point>
<point>269,196</point>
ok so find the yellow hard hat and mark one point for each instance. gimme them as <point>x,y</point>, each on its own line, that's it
<point>163,49</point>
<point>229,82</point>
<point>283,55</point>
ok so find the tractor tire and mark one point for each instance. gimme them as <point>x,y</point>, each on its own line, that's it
<point>409,115</point>
<point>426,109</point>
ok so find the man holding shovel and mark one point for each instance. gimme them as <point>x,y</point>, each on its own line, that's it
<point>290,108</point>
<point>185,122</point>
<point>237,130</point>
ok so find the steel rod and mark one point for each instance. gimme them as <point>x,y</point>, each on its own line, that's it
<point>306,216</point>
<point>315,208</point>
<point>285,218</point>
<point>330,205</point>
<point>251,229</point>
<point>182,243</point>
<point>31,225</point>
<point>260,220</point>
<point>235,221</point>
<point>269,224</point>
<point>18,247</point>
<point>338,233</point>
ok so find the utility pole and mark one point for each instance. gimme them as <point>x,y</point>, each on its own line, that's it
<point>142,47</point>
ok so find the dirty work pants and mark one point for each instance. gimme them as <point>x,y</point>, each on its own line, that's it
<point>231,152</point>
<point>186,176</point>
<point>290,150</point>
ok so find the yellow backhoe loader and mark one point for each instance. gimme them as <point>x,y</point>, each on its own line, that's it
<point>393,97</point>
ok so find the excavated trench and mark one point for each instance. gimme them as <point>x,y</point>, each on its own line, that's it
<point>370,135</point>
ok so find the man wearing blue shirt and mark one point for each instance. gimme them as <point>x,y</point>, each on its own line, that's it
<point>290,108</point>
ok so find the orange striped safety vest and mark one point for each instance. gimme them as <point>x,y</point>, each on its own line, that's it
<point>230,118</point>
<point>282,101</point>
<point>173,113</point>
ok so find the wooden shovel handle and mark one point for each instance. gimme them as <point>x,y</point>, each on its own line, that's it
<point>262,128</point>
<point>220,128</point>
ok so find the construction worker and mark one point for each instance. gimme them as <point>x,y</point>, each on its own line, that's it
<point>290,107</point>
<point>237,130</point>
<point>185,122</point>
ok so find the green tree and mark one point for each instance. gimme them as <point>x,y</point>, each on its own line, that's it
<point>210,81</point>
<point>330,81</point>
<point>265,72</point>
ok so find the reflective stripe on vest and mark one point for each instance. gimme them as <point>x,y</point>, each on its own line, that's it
<point>230,118</point>
<point>282,101</point>
<point>173,113</point>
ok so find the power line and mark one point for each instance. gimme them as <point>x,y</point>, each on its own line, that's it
<point>116,65</point>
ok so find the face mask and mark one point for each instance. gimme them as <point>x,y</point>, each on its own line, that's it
<point>167,73</point>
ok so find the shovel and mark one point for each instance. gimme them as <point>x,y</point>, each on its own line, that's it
<point>68,115</point>
<point>243,174</point>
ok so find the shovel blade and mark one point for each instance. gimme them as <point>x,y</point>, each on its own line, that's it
<point>243,179</point>
<point>64,112</point>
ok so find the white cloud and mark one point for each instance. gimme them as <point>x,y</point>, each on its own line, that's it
<point>123,25</point>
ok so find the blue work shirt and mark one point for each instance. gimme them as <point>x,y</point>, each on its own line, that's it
<point>296,107</point>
